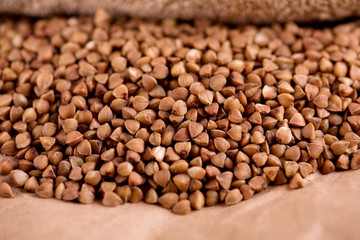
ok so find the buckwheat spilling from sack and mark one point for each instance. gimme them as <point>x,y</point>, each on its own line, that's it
<point>177,114</point>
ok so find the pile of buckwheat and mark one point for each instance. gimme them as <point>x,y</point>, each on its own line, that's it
<point>180,114</point>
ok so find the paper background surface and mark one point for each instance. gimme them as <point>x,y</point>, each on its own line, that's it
<point>328,208</point>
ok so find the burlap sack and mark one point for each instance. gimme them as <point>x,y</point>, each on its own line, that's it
<point>231,11</point>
